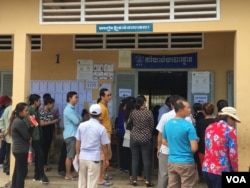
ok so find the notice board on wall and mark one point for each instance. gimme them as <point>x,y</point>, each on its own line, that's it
<point>58,89</point>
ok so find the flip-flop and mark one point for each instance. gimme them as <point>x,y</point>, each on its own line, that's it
<point>108,177</point>
<point>72,178</point>
<point>105,183</point>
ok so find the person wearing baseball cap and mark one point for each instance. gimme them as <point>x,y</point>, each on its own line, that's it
<point>221,153</point>
<point>91,138</point>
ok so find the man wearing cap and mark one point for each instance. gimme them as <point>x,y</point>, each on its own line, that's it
<point>91,138</point>
<point>221,153</point>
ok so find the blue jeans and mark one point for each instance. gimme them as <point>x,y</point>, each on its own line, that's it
<point>145,149</point>
<point>212,180</point>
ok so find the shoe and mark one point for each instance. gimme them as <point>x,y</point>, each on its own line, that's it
<point>44,180</point>
<point>134,183</point>
<point>105,183</point>
<point>149,184</point>
<point>35,178</point>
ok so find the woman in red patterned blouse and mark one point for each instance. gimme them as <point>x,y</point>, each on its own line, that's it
<point>220,147</point>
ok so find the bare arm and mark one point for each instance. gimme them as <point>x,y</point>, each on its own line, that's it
<point>78,145</point>
<point>45,123</point>
<point>105,152</point>
<point>194,145</point>
<point>159,141</point>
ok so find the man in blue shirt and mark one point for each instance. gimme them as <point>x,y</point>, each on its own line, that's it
<point>164,108</point>
<point>71,121</point>
<point>181,138</point>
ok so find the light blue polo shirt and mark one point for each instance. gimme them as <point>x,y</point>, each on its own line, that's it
<point>71,121</point>
<point>178,132</point>
<point>92,135</point>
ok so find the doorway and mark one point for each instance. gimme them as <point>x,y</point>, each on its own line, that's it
<point>157,85</point>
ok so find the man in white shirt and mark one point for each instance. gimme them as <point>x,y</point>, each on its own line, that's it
<point>162,149</point>
<point>91,138</point>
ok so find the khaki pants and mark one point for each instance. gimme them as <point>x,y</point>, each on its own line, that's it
<point>182,175</point>
<point>163,170</point>
<point>88,174</point>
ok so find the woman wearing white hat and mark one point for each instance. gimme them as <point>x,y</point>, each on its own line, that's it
<point>220,147</point>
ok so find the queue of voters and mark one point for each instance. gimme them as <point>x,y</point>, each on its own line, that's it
<point>193,143</point>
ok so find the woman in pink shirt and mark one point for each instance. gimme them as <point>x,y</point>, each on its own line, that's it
<point>220,147</point>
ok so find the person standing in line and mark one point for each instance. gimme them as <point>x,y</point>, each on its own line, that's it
<point>4,124</point>
<point>37,139</point>
<point>91,138</point>
<point>129,106</point>
<point>164,108</point>
<point>47,122</point>
<point>120,134</point>
<point>221,152</point>
<point>4,102</point>
<point>71,123</point>
<point>105,98</point>
<point>21,136</point>
<point>221,104</point>
<point>181,138</point>
<point>162,149</point>
<point>201,125</point>
<point>141,139</point>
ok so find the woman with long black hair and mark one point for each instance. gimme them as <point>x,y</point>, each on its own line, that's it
<point>21,135</point>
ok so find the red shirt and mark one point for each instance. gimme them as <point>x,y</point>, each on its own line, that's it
<point>220,149</point>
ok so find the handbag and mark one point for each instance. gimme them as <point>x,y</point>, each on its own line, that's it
<point>129,125</point>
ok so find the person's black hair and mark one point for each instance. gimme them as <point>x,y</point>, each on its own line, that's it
<point>84,111</point>
<point>179,104</point>
<point>174,98</point>
<point>122,104</point>
<point>46,96</point>
<point>49,101</point>
<point>139,101</point>
<point>130,105</point>
<point>167,101</point>
<point>101,94</point>
<point>33,98</point>
<point>16,113</point>
<point>197,107</point>
<point>70,95</point>
<point>221,104</point>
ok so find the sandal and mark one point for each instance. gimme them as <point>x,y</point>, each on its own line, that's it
<point>72,178</point>
<point>105,183</point>
<point>108,177</point>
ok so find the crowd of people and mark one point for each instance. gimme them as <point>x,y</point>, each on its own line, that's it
<point>190,146</point>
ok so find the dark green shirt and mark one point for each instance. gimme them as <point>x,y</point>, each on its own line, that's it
<point>37,132</point>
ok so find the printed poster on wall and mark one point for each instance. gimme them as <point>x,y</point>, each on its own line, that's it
<point>84,69</point>
<point>125,92</point>
<point>200,82</point>
<point>103,71</point>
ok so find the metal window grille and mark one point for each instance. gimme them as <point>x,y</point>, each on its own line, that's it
<point>127,11</point>
<point>6,42</point>
<point>139,41</point>
<point>36,42</point>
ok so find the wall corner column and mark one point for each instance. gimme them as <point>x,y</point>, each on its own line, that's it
<point>21,73</point>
